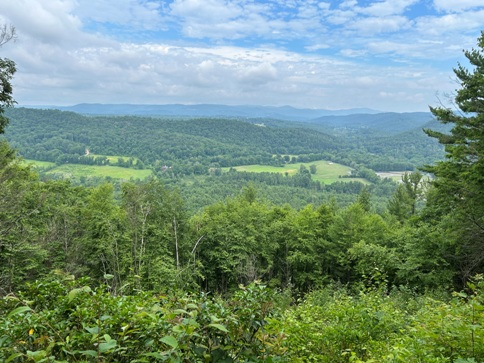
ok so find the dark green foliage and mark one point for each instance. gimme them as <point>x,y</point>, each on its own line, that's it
<point>20,201</point>
<point>62,319</point>
<point>7,70</point>
<point>195,145</point>
<point>459,180</point>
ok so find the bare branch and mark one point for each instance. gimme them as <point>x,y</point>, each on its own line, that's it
<point>7,33</point>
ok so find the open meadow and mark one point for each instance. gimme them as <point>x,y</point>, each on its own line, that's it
<point>114,159</point>
<point>327,172</point>
<point>81,170</point>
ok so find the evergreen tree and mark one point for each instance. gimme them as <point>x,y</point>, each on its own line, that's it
<point>459,180</point>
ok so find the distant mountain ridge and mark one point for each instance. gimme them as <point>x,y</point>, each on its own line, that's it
<point>287,113</point>
<point>386,122</point>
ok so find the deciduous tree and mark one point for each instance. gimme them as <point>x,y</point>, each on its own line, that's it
<point>7,70</point>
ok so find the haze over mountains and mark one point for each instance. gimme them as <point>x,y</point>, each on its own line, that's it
<point>287,113</point>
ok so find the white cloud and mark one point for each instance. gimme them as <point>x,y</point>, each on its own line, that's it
<point>376,25</point>
<point>348,4</point>
<point>148,74</point>
<point>340,17</point>
<point>387,7</point>
<point>47,22</point>
<point>457,5</point>
<point>316,47</point>
<point>450,23</point>
<point>218,19</point>
<point>130,13</point>
<point>257,75</point>
<point>206,10</point>
<point>370,51</point>
<point>352,53</point>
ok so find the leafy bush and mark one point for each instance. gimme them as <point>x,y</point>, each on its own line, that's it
<point>67,321</point>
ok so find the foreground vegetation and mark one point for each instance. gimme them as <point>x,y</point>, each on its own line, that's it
<point>60,319</point>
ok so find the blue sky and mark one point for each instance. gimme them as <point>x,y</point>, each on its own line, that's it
<point>391,55</point>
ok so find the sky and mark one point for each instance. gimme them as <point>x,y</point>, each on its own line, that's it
<point>388,55</point>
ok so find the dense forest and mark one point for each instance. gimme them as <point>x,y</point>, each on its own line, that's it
<point>193,145</point>
<point>127,272</point>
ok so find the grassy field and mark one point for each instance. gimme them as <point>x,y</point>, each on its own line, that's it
<point>113,159</point>
<point>394,175</point>
<point>115,172</point>
<point>326,172</point>
<point>39,164</point>
<point>80,170</point>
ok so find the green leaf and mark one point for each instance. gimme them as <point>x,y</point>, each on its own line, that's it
<point>13,356</point>
<point>180,311</point>
<point>91,353</point>
<point>169,340</point>
<point>37,355</point>
<point>19,310</point>
<point>154,355</point>
<point>74,292</point>
<point>104,347</point>
<point>219,327</point>
<point>93,330</point>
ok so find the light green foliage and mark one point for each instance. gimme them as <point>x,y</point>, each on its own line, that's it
<point>424,253</point>
<point>155,221</point>
<point>364,199</point>
<point>333,325</point>
<point>236,246</point>
<point>308,251</point>
<point>353,226</point>
<point>403,204</point>
<point>104,236</point>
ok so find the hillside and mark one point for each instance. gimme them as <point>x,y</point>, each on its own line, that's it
<point>387,123</point>
<point>50,134</point>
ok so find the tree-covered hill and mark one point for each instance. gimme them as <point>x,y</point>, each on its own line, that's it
<point>51,135</point>
<point>383,124</point>
<point>195,145</point>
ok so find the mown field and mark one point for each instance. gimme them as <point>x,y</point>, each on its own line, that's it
<point>113,159</point>
<point>80,170</point>
<point>394,175</point>
<point>327,172</point>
